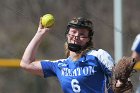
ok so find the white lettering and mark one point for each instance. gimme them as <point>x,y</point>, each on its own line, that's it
<point>89,70</point>
<point>78,71</point>
<point>85,70</point>
<point>74,72</point>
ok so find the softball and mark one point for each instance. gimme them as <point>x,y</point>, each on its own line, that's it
<point>47,20</point>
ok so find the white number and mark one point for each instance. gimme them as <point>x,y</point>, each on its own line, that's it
<point>76,88</point>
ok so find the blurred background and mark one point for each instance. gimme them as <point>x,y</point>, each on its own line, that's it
<point>19,21</point>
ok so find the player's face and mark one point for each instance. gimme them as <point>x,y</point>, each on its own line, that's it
<point>78,36</point>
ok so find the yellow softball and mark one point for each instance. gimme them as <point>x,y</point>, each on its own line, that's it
<point>47,20</point>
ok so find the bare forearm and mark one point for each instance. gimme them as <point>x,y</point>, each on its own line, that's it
<point>28,61</point>
<point>30,51</point>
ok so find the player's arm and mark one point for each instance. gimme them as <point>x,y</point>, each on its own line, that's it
<point>28,61</point>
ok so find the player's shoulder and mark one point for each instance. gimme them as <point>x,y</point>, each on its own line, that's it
<point>58,63</point>
<point>104,57</point>
<point>101,54</point>
<point>54,61</point>
<point>97,52</point>
<point>59,60</point>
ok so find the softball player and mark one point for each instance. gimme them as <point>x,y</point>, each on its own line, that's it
<point>85,70</point>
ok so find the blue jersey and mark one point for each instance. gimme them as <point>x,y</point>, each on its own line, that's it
<point>88,74</point>
<point>136,44</point>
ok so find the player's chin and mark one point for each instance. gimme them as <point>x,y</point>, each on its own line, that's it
<point>77,44</point>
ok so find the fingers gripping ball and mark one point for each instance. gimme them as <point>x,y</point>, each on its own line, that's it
<point>47,20</point>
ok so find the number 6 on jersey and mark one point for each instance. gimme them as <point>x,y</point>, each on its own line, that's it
<point>76,88</point>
